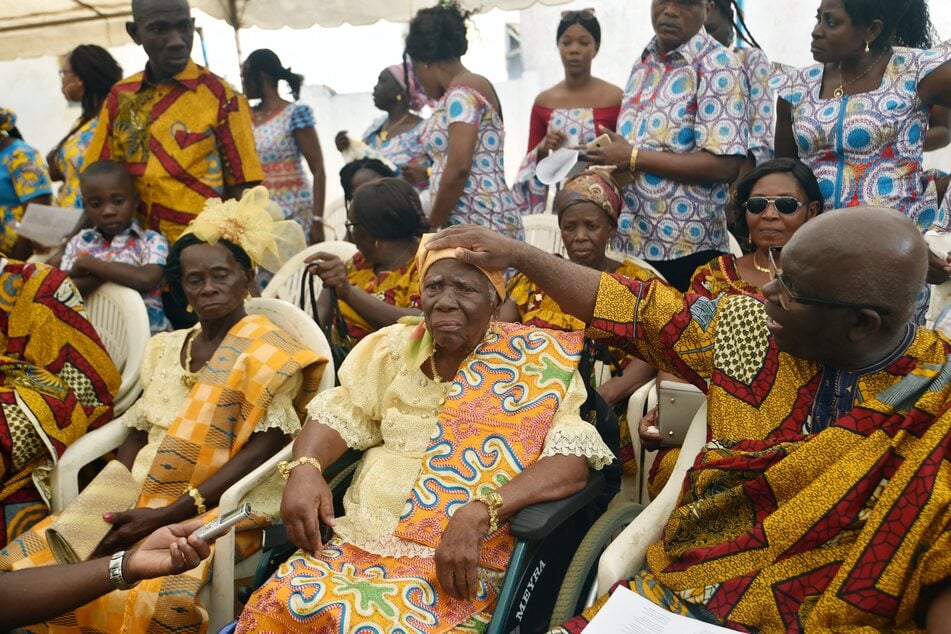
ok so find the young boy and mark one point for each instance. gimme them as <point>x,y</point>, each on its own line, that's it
<point>116,249</point>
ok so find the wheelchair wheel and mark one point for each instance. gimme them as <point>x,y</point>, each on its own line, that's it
<point>583,569</point>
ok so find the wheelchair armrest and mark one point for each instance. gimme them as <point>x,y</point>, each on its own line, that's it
<point>538,520</point>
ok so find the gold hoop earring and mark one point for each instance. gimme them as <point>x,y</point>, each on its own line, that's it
<point>189,309</point>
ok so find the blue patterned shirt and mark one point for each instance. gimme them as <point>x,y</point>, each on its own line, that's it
<point>692,99</point>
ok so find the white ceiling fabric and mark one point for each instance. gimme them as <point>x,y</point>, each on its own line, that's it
<point>31,28</point>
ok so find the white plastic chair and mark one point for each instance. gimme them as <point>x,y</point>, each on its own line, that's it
<point>626,554</point>
<point>335,215</point>
<point>218,596</point>
<point>119,316</point>
<point>735,249</point>
<point>286,283</point>
<point>542,232</point>
<point>940,243</point>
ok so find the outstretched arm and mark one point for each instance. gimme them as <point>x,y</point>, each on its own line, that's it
<point>572,286</point>
<point>37,594</point>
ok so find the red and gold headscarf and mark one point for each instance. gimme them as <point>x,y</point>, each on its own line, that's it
<point>594,185</point>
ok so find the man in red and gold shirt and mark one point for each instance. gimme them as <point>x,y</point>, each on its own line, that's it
<point>180,130</point>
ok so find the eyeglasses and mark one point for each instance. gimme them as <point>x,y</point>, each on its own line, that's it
<point>787,297</point>
<point>786,205</point>
<point>584,14</point>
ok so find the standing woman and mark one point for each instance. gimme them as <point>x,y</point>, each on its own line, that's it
<point>569,112</point>
<point>858,118</point>
<point>283,133</point>
<point>87,73</point>
<point>395,136</point>
<point>464,136</point>
<point>683,133</point>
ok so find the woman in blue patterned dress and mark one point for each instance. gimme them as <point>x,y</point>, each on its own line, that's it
<point>859,117</point>
<point>284,133</point>
<point>464,136</point>
<point>395,137</point>
<point>570,112</point>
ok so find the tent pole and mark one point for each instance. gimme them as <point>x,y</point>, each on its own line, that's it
<point>236,25</point>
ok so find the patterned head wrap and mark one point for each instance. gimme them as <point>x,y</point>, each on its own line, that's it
<point>255,224</point>
<point>406,78</point>
<point>594,185</point>
<point>426,258</point>
<point>8,120</point>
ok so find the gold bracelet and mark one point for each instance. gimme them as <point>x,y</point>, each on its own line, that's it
<point>632,165</point>
<point>198,498</point>
<point>284,467</point>
<point>493,502</point>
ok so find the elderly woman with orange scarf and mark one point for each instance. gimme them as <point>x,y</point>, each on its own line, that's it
<point>454,447</point>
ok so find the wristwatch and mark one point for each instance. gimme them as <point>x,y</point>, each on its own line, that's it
<point>115,572</point>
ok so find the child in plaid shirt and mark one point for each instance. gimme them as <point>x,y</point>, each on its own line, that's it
<point>116,249</point>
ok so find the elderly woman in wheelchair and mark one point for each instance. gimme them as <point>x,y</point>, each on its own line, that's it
<point>218,400</point>
<point>463,421</point>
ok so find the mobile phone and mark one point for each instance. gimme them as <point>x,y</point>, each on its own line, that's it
<point>218,527</point>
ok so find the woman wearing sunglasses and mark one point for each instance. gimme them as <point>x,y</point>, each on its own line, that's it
<point>775,198</point>
<point>570,112</point>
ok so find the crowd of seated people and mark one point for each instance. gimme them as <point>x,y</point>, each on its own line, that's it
<point>821,499</point>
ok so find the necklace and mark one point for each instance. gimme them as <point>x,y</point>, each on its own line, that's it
<point>432,366</point>
<point>385,130</point>
<point>840,91</point>
<point>188,377</point>
<point>761,269</point>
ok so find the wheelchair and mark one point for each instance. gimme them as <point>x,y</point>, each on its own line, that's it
<point>547,536</point>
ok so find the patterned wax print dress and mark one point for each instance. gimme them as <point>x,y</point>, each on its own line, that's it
<point>283,165</point>
<point>867,149</point>
<point>486,199</point>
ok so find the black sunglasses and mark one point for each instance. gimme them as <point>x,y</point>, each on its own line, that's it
<point>786,296</point>
<point>786,205</point>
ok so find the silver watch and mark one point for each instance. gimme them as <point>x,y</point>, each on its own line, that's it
<point>115,572</point>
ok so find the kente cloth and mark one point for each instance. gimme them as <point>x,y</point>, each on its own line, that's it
<point>23,177</point>
<point>230,396</point>
<point>282,161</point>
<point>537,308</point>
<point>70,159</point>
<point>428,452</point>
<point>485,199</point>
<point>398,288</point>
<point>821,502</point>
<point>184,140</point>
<point>694,98</point>
<point>720,276</point>
<point>868,149</point>
<point>580,127</point>
<point>55,386</point>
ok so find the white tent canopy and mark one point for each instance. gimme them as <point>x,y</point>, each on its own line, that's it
<point>32,28</point>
